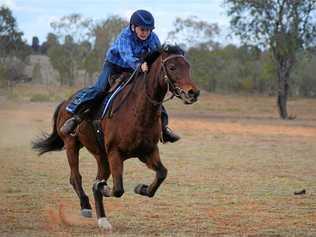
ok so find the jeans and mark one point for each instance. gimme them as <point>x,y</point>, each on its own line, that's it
<point>90,94</point>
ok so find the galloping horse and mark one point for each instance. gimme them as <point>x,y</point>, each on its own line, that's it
<point>133,130</point>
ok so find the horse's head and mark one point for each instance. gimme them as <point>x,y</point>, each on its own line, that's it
<point>175,72</point>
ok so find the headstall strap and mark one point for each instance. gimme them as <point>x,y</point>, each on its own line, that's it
<point>167,80</point>
<point>172,56</point>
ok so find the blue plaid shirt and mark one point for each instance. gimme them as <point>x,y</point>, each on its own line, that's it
<point>127,48</point>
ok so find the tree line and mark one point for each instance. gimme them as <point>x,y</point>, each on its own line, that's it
<point>276,56</point>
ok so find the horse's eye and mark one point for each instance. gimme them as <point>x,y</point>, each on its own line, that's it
<point>172,67</point>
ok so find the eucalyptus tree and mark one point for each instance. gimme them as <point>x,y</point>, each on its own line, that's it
<point>283,26</point>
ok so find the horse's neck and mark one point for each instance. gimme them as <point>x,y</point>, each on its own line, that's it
<point>151,95</point>
<point>156,89</point>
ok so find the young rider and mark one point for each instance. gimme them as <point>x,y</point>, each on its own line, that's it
<point>124,55</point>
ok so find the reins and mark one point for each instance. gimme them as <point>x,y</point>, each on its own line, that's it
<point>120,88</point>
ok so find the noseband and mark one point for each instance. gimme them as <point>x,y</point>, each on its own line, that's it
<point>171,86</point>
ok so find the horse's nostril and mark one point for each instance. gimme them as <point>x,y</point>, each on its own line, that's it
<point>193,93</point>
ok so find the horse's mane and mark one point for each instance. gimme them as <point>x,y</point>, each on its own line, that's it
<point>169,49</point>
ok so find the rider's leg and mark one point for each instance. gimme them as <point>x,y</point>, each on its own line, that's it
<point>167,134</point>
<point>79,105</point>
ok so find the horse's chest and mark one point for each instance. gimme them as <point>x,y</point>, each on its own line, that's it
<point>140,142</point>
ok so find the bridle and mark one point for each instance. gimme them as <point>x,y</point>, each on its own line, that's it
<point>171,85</point>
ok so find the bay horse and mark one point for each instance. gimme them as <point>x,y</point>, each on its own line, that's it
<point>133,130</point>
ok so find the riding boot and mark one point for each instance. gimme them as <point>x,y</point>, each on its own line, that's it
<point>167,134</point>
<point>71,124</point>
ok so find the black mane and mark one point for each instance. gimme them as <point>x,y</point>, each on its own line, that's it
<point>169,49</point>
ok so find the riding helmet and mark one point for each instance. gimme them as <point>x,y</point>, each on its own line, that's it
<point>143,18</point>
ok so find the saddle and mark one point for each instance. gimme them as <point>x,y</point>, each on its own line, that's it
<point>116,79</point>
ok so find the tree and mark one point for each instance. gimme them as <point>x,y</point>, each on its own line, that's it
<point>11,43</point>
<point>105,33</point>
<point>283,26</point>
<point>192,32</point>
<point>12,48</point>
<point>35,44</point>
<point>75,25</point>
<point>51,41</point>
<point>73,30</point>
<point>62,62</point>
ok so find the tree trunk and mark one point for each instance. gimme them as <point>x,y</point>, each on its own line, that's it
<point>283,88</point>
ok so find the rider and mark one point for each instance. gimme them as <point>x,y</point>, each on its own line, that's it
<point>124,55</point>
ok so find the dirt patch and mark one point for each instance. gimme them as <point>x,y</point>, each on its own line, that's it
<point>233,173</point>
<point>241,128</point>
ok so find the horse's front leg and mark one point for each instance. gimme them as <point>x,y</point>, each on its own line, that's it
<point>153,162</point>
<point>116,168</point>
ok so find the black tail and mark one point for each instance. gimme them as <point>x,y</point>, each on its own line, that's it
<point>49,142</point>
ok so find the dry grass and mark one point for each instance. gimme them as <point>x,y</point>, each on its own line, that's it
<point>234,173</point>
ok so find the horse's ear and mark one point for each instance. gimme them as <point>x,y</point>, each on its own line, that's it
<point>151,57</point>
<point>165,47</point>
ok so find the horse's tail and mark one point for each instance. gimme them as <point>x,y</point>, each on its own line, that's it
<point>49,142</point>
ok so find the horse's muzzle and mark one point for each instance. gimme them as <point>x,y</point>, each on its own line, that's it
<point>190,97</point>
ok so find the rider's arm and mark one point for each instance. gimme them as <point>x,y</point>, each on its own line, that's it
<point>126,52</point>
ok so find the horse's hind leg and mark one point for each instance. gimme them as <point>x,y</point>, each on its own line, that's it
<point>153,162</point>
<point>72,151</point>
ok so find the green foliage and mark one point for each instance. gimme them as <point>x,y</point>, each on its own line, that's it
<point>105,33</point>
<point>284,26</point>
<point>3,76</point>
<point>228,69</point>
<point>303,76</point>
<point>62,61</point>
<point>76,52</point>
<point>11,43</point>
<point>68,57</point>
<point>35,44</point>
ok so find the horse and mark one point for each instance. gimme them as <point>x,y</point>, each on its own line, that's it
<point>132,130</point>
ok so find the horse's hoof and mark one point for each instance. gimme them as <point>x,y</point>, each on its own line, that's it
<point>86,213</point>
<point>104,224</point>
<point>141,189</point>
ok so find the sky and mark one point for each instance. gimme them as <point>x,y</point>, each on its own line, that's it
<point>34,16</point>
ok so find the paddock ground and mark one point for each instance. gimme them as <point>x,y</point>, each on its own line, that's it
<point>233,173</point>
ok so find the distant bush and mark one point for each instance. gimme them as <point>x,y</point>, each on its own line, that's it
<point>246,85</point>
<point>3,76</point>
<point>40,98</point>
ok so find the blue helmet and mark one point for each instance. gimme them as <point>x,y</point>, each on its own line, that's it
<point>143,18</point>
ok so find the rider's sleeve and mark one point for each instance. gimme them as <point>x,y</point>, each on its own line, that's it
<point>155,43</point>
<point>126,53</point>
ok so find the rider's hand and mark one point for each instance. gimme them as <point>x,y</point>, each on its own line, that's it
<point>144,67</point>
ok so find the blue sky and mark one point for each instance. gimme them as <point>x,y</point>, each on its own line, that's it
<point>34,16</point>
